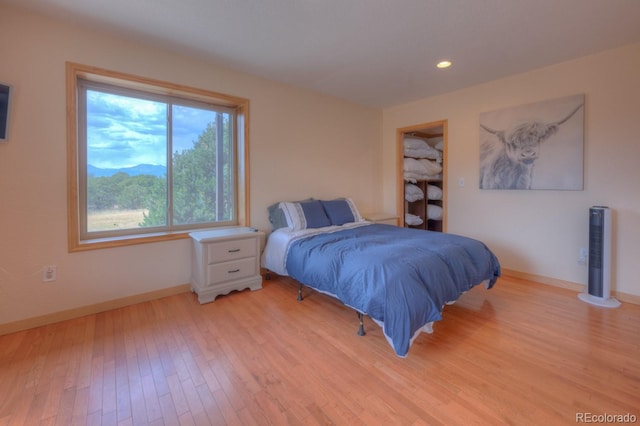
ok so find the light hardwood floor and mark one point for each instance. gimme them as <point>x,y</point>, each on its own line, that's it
<point>521,353</point>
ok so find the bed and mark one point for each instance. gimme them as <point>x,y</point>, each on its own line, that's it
<point>401,278</point>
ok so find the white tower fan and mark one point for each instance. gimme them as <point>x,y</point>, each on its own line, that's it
<point>598,290</point>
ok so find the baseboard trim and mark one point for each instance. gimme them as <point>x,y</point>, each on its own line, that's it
<point>578,288</point>
<point>52,318</point>
<point>28,323</point>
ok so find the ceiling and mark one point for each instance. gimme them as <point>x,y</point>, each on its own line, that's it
<point>378,53</point>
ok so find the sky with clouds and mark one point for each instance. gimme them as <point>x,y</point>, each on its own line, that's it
<point>124,131</point>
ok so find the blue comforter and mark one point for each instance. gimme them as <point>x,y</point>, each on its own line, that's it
<point>400,277</point>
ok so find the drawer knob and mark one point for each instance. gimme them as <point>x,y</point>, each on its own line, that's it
<point>233,250</point>
<point>233,271</point>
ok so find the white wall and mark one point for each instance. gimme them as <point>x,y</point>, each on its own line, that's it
<point>540,232</point>
<point>301,144</point>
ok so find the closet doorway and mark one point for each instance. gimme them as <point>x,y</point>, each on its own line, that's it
<point>421,152</point>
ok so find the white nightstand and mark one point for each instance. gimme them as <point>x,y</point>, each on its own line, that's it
<point>386,218</point>
<point>223,260</point>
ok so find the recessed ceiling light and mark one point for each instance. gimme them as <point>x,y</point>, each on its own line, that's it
<point>444,64</point>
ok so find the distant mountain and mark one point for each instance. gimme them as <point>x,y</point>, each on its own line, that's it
<point>140,169</point>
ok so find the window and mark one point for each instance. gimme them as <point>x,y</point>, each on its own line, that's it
<point>150,160</point>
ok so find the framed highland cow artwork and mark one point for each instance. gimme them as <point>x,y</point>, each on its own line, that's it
<point>533,146</point>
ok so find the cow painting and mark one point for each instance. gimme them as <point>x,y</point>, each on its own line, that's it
<point>508,156</point>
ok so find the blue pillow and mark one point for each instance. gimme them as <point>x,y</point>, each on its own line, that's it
<point>305,214</point>
<point>341,211</point>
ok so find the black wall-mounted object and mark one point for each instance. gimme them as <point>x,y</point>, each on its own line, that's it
<point>5,104</point>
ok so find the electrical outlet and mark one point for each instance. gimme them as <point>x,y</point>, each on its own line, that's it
<point>49,273</point>
<point>583,256</point>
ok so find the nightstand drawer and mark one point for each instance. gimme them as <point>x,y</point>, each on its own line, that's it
<point>230,250</point>
<point>232,270</point>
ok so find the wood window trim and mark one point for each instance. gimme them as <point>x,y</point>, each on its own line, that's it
<point>74,71</point>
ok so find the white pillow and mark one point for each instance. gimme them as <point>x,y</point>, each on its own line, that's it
<point>411,165</point>
<point>434,193</point>
<point>412,192</point>
<point>417,148</point>
<point>412,177</point>
<point>422,167</point>
<point>434,212</point>
<point>412,219</point>
<point>431,167</point>
<point>414,143</point>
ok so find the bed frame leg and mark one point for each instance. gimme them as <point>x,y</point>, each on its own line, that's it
<point>361,327</point>
<point>300,293</point>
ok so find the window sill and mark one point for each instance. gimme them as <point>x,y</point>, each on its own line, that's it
<point>123,241</point>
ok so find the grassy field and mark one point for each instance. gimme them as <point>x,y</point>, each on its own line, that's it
<point>102,220</point>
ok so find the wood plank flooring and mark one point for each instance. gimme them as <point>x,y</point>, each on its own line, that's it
<point>521,353</point>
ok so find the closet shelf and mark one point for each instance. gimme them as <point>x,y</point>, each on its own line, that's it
<point>429,210</point>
